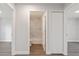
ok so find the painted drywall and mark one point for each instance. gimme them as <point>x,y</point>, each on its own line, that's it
<point>77,28</point>
<point>22,25</point>
<point>21,30</point>
<point>71,29</point>
<point>5,22</point>
<point>71,25</point>
<point>36,29</point>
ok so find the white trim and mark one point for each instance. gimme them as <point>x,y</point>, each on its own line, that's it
<point>13,33</point>
<point>5,41</point>
<point>22,52</point>
<point>13,29</point>
<point>46,34</point>
<point>36,42</point>
<point>12,7</point>
<point>73,40</point>
<point>48,52</point>
<point>44,29</point>
<point>29,32</point>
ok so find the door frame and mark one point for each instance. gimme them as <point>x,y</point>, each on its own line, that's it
<point>29,29</point>
<point>44,29</point>
<point>13,29</point>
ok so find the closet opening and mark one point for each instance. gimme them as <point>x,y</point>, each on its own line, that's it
<point>37,33</point>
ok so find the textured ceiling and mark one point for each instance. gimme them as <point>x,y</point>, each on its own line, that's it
<point>46,4</point>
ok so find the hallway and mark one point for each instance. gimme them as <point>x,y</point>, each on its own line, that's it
<point>52,29</point>
<point>37,49</point>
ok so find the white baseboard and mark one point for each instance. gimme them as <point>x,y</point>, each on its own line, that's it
<point>22,52</point>
<point>36,42</point>
<point>65,54</point>
<point>48,53</point>
<point>13,53</point>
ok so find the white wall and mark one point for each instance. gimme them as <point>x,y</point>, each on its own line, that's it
<point>77,28</point>
<point>5,23</point>
<point>36,29</point>
<point>71,25</point>
<point>71,29</point>
<point>22,25</point>
<point>21,30</point>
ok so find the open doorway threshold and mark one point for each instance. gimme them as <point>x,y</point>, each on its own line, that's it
<point>37,50</point>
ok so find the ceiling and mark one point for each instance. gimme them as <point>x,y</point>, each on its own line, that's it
<point>61,5</point>
<point>43,4</point>
<point>48,4</point>
<point>71,11</point>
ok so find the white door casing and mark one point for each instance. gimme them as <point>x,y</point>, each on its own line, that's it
<point>44,30</point>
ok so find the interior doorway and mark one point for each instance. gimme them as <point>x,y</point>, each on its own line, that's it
<point>37,33</point>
